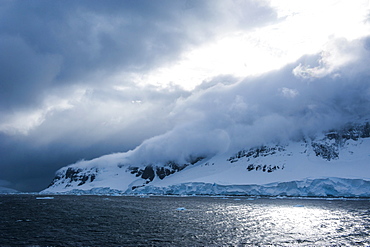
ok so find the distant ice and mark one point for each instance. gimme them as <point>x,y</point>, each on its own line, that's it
<point>4,190</point>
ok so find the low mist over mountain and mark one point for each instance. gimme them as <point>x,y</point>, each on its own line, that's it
<point>138,97</point>
<point>277,161</point>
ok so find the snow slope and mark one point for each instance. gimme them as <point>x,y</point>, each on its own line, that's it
<point>4,190</point>
<point>333,164</point>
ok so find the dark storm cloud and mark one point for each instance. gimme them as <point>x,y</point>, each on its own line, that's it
<point>55,50</point>
<point>46,44</point>
<point>102,121</point>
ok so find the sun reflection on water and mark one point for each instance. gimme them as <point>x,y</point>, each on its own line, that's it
<point>291,224</point>
<point>302,222</point>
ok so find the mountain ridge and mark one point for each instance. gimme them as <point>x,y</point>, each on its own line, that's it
<point>341,153</point>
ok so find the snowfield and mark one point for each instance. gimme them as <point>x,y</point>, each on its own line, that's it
<point>333,164</point>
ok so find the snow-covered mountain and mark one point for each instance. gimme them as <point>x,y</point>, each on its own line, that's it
<point>5,190</point>
<point>335,163</point>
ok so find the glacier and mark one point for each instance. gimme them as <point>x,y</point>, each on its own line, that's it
<point>332,164</point>
<point>320,187</point>
<point>324,187</point>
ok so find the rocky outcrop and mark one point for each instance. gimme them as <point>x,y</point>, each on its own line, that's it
<point>73,174</point>
<point>150,171</point>
<point>329,147</point>
<point>256,152</point>
<point>251,155</point>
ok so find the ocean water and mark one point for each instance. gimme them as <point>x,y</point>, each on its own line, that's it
<point>32,220</point>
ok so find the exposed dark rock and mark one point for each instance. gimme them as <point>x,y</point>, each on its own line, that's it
<point>256,152</point>
<point>250,167</point>
<point>328,148</point>
<point>83,180</point>
<point>134,170</point>
<point>73,174</point>
<point>135,187</point>
<point>328,152</point>
<point>264,168</point>
<point>163,172</point>
<point>148,173</point>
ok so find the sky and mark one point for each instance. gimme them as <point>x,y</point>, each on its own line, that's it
<point>172,78</point>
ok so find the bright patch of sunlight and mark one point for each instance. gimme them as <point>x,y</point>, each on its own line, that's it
<point>305,27</point>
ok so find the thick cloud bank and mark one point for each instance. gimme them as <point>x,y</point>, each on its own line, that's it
<point>68,74</point>
<point>317,93</point>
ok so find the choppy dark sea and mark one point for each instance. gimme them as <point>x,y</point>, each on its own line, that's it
<point>32,220</point>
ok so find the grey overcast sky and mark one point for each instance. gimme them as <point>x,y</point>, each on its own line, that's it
<point>80,79</point>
